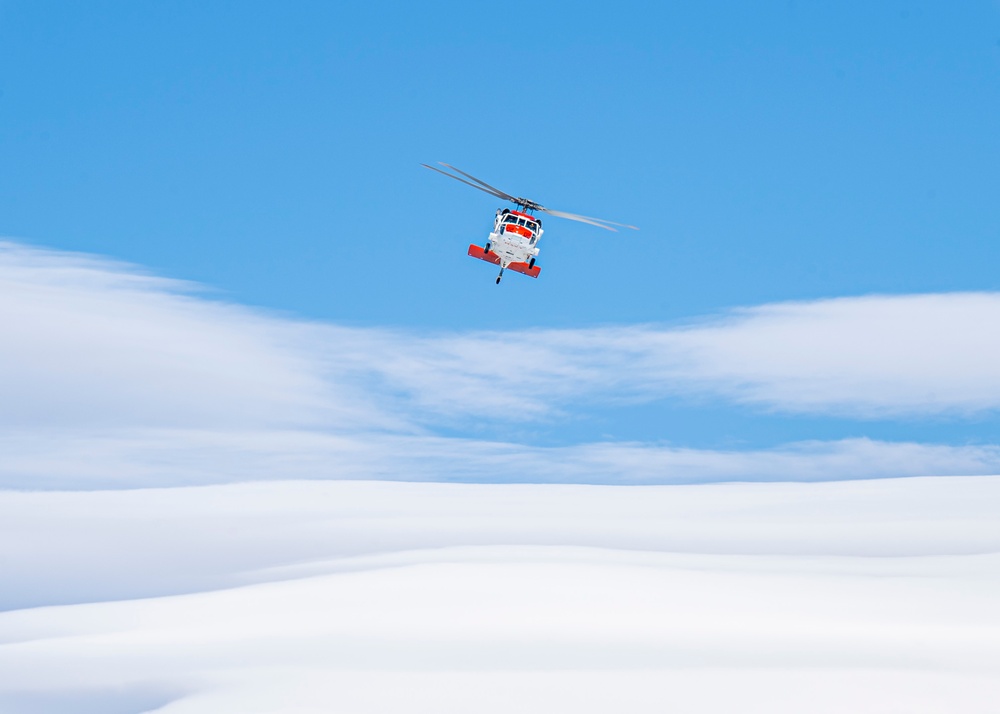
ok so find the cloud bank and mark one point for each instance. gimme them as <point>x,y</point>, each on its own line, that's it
<point>111,377</point>
<point>94,343</point>
<point>298,583</point>
<point>146,458</point>
<point>366,597</point>
<point>85,335</point>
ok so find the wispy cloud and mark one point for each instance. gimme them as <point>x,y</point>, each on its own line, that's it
<point>88,342</point>
<point>80,334</point>
<point>111,377</point>
<point>868,357</point>
<point>157,457</point>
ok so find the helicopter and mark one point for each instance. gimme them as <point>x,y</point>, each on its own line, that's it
<point>513,244</point>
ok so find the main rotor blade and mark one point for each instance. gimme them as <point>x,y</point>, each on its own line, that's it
<point>530,205</point>
<point>479,181</point>
<point>491,191</point>
<point>599,222</point>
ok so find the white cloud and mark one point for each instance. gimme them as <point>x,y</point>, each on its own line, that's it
<point>68,547</point>
<point>869,356</point>
<point>848,596</point>
<point>89,342</point>
<point>291,595</point>
<point>111,378</point>
<point>143,458</point>
<point>866,356</point>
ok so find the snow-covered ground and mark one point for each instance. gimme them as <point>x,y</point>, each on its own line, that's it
<point>348,596</point>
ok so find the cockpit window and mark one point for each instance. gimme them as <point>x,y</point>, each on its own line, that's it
<point>528,223</point>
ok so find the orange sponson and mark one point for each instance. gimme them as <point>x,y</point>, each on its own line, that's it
<point>476,252</point>
<point>523,269</point>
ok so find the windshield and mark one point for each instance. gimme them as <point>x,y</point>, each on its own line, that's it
<point>518,221</point>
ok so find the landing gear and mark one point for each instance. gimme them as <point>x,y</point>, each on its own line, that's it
<point>487,249</point>
<point>500,276</point>
<point>531,263</point>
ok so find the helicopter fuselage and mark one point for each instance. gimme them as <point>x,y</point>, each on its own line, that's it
<point>513,243</point>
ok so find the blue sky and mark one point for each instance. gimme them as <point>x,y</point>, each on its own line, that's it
<point>769,152</point>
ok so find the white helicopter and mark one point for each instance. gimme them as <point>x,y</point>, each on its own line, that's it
<point>513,243</point>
